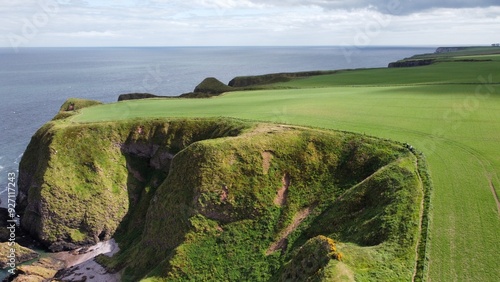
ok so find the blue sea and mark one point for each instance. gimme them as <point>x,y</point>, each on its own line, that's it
<point>35,82</point>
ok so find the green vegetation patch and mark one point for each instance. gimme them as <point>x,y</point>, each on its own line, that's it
<point>71,106</point>
<point>77,182</point>
<point>448,110</point>
<point>212,86</point>
<point>238,208</point>
<point>21,254</point>
<point>223,199</point>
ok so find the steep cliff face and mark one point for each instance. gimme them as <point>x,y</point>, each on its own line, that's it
<point>247,205</point>
<point>449,49</point>
<point>71,190</point>
<point>246,81</point>
<point>136,96</point>
<point>411,63</point>
<point>77,182</point>
<point>219,199</point>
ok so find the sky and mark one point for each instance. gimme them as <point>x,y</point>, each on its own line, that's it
<point>360,23</point>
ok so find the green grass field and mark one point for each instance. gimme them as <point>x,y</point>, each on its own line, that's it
<point>449,110</point>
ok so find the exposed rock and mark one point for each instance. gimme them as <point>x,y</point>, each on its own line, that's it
<point>87,271</point>
<point>39,271</point>
<point>195,95</point>
<point>4,232</point>
<point>62,246</point>
<point>245,81</point>
<point>42,270</point>
<point>66,207</point>
<point>137,96</point>
<point>21,253</point>
<point>441,50</point>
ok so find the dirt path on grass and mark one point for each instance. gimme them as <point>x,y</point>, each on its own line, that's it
<point>280,199</point>
<point>267,156</point>
<point>495,195</point>
<point>280,244</point>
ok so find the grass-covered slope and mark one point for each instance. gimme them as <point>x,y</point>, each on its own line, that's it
<point>450,110</point>
<point>75,183</point>
<point>235,208</point>
<point>222,199</point>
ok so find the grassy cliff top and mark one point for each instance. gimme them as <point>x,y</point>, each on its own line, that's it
<point>450,110</point>
<point>451,52</point>
<point>226,199</point>
<point>265,104</point>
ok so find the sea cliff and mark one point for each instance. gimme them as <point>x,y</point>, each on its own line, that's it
<point>216,198</point>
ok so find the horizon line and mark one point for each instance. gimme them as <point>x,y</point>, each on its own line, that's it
<point>253,46</point>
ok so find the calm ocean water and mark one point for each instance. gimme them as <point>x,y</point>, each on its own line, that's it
<point>35,82</point>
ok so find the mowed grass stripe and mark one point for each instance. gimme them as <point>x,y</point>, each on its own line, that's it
<point>438,73</point>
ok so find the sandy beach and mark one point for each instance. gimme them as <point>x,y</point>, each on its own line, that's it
<point>81,265</point>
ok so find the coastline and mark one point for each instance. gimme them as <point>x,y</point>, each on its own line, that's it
<point>81,265</point>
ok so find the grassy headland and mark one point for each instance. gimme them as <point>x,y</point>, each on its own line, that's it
<point>449,110</point>
<point>223,199</point>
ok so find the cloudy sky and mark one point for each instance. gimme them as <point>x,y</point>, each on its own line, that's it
<point>28,23</point>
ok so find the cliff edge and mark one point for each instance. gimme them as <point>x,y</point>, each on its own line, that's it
<point>215,199</point>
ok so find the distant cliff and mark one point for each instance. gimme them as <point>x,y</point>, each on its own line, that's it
<point>246,81</point>
<point>411,63</point>
<point>135,96</point>
<point>441,50</point>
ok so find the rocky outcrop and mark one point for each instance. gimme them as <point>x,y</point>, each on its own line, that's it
<point>212,86</point>
<point>20,253</point>
<point>77,182</point>
<point>209,87</point>
<point>441,50</point>
<point>4,218</point>
<point>246,81</point>
<point>42,270</point>
<point>137,96</point>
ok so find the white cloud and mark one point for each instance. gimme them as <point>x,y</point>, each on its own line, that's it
<point>230,4</point>
<point>394,7</point>
<point>90,34</point>
<point>241,22</point>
